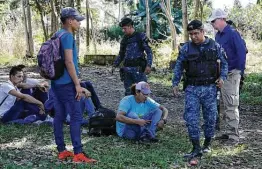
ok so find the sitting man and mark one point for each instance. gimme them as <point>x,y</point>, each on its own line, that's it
<point>87,104</point>
<point>13,102</point>
<point>139,116</point>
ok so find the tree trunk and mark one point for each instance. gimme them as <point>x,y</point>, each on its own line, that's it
<point>196,9</point>
<point>28,28</point>
<point>25,24</point>
<point>54,18</point>
<point>39,8</point>
<point>87,26</point>
<point>93,33</point>
<point>119,11</point>
<point>30,37</point>
<point>185,21</point>
<point>167,11</point>
<point>78,5</point>
<point>70,3</point>
<point>147,20</point>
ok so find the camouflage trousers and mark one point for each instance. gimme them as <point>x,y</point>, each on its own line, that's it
<point>131,78</point>
<point>198,97</point>
<point>230,98</point>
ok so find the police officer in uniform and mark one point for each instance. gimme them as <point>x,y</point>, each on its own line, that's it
<point>199,59</point>
<point>133,47</point>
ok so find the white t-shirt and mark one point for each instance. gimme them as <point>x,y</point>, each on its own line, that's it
<point>32,81</point>
<point>5,88</point>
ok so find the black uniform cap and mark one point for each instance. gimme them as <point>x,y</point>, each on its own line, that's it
<point>126,22</point>
<point>195,24</point>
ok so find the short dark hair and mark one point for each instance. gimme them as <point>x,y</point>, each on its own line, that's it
<point>63,19</point>
<point>15,69</point>
<point>195,24</point>
<point>126,22</point>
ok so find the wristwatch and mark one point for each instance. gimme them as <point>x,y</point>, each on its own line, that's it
<point>165,121</point>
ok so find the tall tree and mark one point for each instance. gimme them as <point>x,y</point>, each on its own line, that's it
<point>42,15</point>
<point>148,34</point>
<point>28,27</point>
<point>196,9</point>
<point>54,17</point>
<point>87,25</point>
<point>78,5</point>
<point>185,21</point>
<point>167,9</point>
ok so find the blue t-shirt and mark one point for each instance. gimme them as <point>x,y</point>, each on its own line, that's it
<point>67,42</point>
<point>134,110</point>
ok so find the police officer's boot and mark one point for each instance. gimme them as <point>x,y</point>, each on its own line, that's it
<point>196,151</point>
<point>207,145</point>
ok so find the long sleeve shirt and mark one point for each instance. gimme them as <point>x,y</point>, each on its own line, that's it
<point>231,41</point>
<point>183,55</point>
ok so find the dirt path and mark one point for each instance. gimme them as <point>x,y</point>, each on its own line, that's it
<point>110,90</point>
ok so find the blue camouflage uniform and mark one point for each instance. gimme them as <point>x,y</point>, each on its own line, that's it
<point>132,48</point>
<point>199,95</point>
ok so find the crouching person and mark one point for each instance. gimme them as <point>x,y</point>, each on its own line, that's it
<point>12,101</point>
<point>139,116</point>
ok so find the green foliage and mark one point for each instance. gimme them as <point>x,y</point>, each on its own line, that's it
<point>252,89</point>
<point>113,33</point>
<point>159,23</point>
<point>245,22</point>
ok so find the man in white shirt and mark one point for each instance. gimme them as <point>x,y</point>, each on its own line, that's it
<point>12,101</point>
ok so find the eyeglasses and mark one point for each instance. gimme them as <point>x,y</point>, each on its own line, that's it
<point>213,21</point>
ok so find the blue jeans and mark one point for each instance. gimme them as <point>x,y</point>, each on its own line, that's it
<point>135,132</point>
<point>65,102</point>
<point>94,97</point>
<point>22,109</point>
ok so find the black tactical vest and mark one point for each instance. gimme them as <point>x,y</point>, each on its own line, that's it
<point>201,66</point>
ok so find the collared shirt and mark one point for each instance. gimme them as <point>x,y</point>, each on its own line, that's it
<point>133,50</point>
<point>231,41</point>
<point>183,55</point>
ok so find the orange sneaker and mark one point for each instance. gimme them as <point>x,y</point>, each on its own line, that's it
<point>83,158</point>
<point>65,154</point>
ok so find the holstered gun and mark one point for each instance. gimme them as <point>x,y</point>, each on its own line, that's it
<point>122,74</point>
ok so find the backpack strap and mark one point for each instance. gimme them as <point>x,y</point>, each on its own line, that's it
<point>3,100</point>
<point>61,34</point>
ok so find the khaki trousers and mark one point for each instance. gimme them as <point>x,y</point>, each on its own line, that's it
<point>230,98</point>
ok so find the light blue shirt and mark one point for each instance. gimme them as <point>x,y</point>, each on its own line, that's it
<point>67,42</point>
<point>134,110</point>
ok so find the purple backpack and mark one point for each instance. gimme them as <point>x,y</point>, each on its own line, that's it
<point>50,62</point>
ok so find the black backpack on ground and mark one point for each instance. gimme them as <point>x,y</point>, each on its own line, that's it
<point>102,122</point>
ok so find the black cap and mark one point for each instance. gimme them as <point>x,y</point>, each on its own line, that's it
<point>195,24</point>
<point>125,22</point>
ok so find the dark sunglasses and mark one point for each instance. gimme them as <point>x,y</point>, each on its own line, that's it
<point>213,21</point>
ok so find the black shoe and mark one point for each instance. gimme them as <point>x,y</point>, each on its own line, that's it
<point>207,146</point>
<point>222,137</point>
<point>148,140</point>
<point>196,151</point>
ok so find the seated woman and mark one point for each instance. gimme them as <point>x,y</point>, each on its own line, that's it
<point>139,116</point>
<point>13,103</point>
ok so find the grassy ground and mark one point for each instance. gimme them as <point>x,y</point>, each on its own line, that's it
<point>33,147</point>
